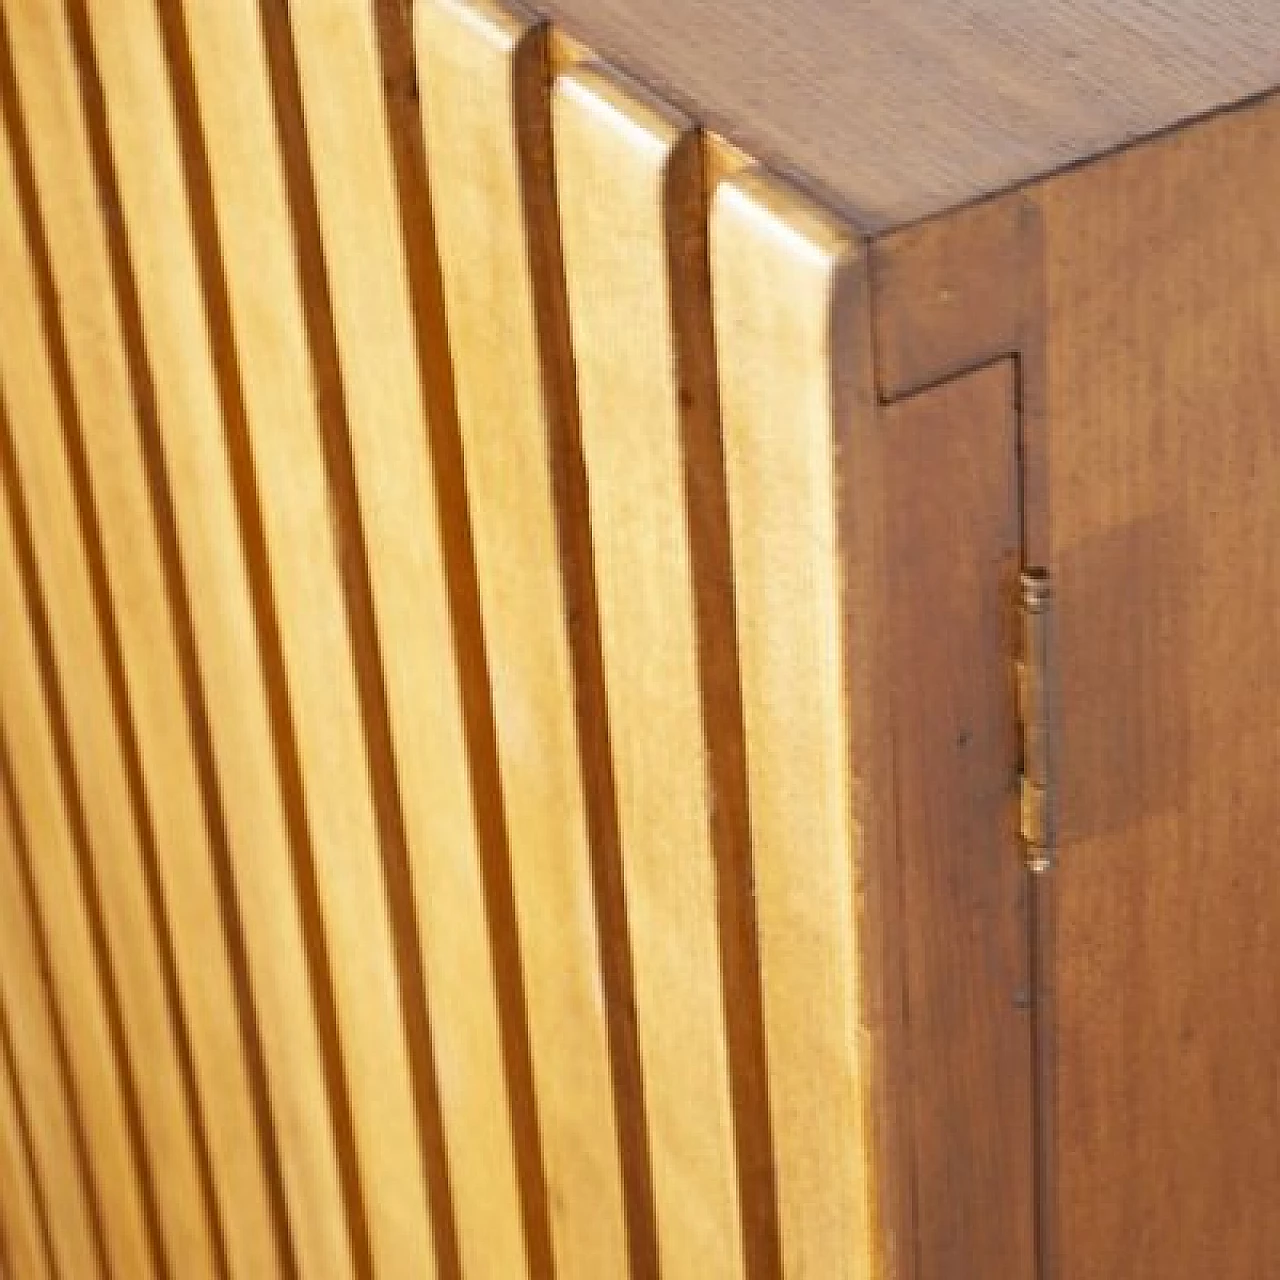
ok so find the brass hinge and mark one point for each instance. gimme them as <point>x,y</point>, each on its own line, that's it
<point>1036,777</point>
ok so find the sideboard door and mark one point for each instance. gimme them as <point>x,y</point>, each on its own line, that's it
<point>953,557</point>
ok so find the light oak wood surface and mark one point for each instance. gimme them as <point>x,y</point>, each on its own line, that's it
<point>642,363</point>
<point>146,147</point>
<point>304,546</point>
<point>98,762</point>
<point>113,430</point>
<point>61,947</point>
<point>486,121</point>
<point>514,697</point>
<point>339,72</point>
<point>787,284</point>
<point>22,1235</point>
<point>31,1047</point>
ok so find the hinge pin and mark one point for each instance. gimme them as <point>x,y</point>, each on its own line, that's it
<point>1033,714</point>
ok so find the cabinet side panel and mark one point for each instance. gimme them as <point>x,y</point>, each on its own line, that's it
<point>1164,411</point>
<point>953,555</point>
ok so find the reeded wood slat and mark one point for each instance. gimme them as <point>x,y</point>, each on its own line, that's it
<point>24,1252</point>
<point>346,130</point>
<point>303,545</point>
<point>631,208</point>
<point>78,676</point>
<point>140,119</point>
<point>26,1019</point>
<point>107,402</point>
<point>29,786</point>
<point>486,116</point>
<point>785,283</point>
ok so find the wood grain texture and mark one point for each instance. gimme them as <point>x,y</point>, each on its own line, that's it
<point>507,730</point>
<point>630,183</point>
<point>43,877</point>
<point>338,62</point>
<point>787,283</point>
<point>139,117</point>
<point>79,671</point>
<point>948,293</point>
<point>1164,315</point>
<point>40,1083</point>
<point>25,1251</point>
<point>304,549</point>
<point>112,433</point>
<point>894,112</point>
<point>486,119</point>
<point>968,1051</point>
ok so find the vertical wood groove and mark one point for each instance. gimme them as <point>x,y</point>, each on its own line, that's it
<point>646,383</point>
<point>354,566</point>
<point>581,606</point>
<point>21,849</point>
<point>38,1195</point>
<point>77,462</point>
<point>514,663</point>
<point>230,389</point>
<point>145,408</point>
<point>417,221</point>
<point>486,119</point>
<point>719,685</point>
<point>56,714</point>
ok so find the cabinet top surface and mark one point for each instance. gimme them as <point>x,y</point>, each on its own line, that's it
<point>894,110</point>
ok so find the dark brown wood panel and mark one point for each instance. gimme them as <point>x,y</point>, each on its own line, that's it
<point>953,558</point>
<point>896,111</point>
<point>1164,326</point>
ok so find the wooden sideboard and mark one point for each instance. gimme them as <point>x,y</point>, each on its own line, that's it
<point>639,640</point>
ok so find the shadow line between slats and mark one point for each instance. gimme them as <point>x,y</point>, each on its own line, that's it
<point>146,411</point>
<point>110,639</point>
<point>208,251</point>
<point>283,76</point>
<point>21,847</point>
